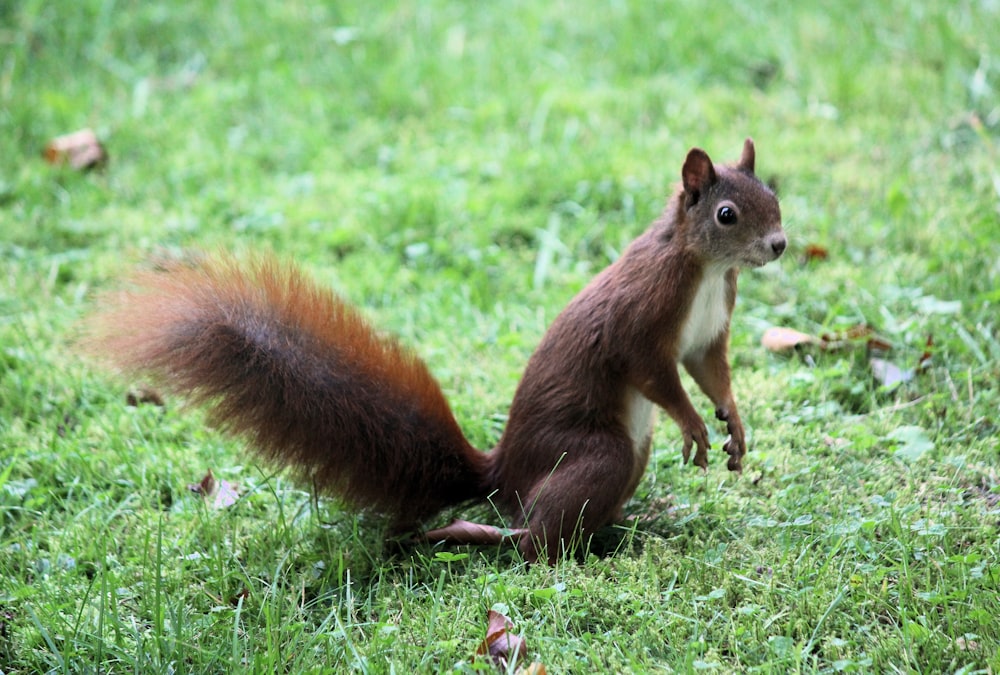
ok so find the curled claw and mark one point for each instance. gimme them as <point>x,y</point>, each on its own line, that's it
<point>698,437</point>
<point>701,453</point>
<point>735,453</point>
<point>701,457</point>
<point>735,446</point>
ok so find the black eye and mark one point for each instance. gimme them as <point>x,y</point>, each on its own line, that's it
<point>726,215</point>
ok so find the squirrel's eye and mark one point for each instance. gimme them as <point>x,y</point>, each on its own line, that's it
<point>726,215</point>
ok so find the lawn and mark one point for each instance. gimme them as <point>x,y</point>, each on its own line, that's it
<point>459,170</point>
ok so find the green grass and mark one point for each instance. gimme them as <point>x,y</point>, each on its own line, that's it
<point>460,170</point>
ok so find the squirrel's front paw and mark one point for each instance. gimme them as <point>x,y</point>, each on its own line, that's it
<point>696,434</point>
<point>735,446</point>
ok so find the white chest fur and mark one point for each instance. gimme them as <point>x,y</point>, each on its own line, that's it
<point>639,422</point>
<point>708,315</point>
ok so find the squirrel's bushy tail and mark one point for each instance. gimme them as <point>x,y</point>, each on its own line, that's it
<point>301,375</point>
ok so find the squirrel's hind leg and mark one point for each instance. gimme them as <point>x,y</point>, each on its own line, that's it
<point>582,495</point>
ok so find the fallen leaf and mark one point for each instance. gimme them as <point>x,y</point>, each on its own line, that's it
<point>502,647</point>
<point>778,339</point>
<point>244,594</point>
<point>925,359</point>
<point>845,338</point>
<point>856,331</point>
<point>815,252</point>
<point>835,443</point>
<point>965,644</point>
<point>888,374</point>
<point>206,486</point>
<point>81,150</point>
<point>877,344</point>
<point>221,493</point>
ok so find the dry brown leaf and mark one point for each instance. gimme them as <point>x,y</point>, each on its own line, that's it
<point>80,150</point>
<point>966,644</point>
<point>856,332</point>
<point>888,374</point>
<point>218,494</point>
<point>877,344</point>
<point>778,339</point>
<point>500,645</point>
<point>925,359</point>
<point>850,337</point>
<point>815,252</point>
<point>205,487</point>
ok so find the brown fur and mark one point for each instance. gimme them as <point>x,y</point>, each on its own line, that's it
<point>312,386</point>
<point>303,377</point>
<point>566,460</point>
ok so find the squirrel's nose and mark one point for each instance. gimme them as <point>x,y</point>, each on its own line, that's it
<point>778,245</point>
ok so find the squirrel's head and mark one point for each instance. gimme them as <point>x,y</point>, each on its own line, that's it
<point>732,218</point>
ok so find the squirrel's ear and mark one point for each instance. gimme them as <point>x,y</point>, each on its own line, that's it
<point>748,156</point>
<point>698,174</point>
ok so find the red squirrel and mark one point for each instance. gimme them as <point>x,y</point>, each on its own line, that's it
<point>312,386</point>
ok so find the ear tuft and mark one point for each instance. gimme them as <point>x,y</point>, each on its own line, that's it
<point>698,174</point>
<point>748,157</point>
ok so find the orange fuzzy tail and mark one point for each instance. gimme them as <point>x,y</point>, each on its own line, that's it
<point>298,372</point>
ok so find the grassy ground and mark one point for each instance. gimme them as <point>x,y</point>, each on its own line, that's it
<point>460,170</point>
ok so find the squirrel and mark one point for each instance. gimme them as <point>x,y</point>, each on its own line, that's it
<point>313,387</point>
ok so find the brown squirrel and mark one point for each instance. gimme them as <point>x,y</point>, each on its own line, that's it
<point>312,386</point>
